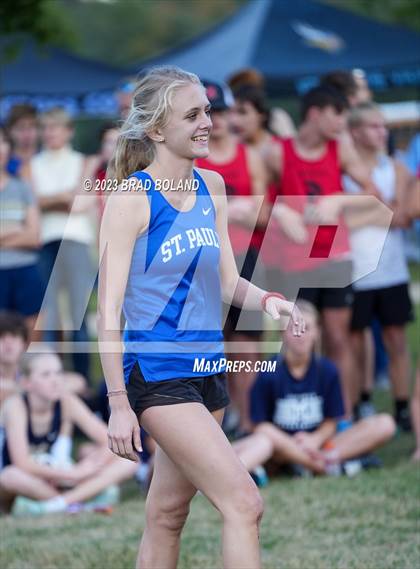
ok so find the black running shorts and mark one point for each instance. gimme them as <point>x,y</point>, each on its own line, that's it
<point>210,390</point>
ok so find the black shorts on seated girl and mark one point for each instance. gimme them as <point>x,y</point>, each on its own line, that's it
<point>173,305</point>
<point>211,391</point>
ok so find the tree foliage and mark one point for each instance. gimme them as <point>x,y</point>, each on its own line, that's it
<point>126,31</point>
<point>403,12</point>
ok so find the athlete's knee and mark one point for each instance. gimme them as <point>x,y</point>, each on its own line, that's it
<point>386,425</point>
<point>167,514</point>
<point>245,503</point>
<point>266,428</point>
<point>9,477</point>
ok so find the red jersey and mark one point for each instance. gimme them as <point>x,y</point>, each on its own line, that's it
<point>302,182</point>
<point>238,183</point>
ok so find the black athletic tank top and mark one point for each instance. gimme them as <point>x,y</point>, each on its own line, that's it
<point>37,443</point>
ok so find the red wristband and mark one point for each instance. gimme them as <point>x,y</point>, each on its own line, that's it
<point>268,295</point>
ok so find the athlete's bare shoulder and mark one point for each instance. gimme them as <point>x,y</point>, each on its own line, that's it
<point>214,182</point>
<point>13,406</point>
<point>127,208</point>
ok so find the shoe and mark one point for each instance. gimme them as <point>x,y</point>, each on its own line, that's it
<point>352,467</point>
<point>299,471</point>
<point>403,421</point>
<point>366,409</point>
<point>108,497</point>
<point>27,507</point>
<point>370,461</point>
<point>259,476</point>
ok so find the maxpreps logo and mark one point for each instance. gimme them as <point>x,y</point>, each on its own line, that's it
<point>321,39</point>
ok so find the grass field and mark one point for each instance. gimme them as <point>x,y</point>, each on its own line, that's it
<point>369,522</point>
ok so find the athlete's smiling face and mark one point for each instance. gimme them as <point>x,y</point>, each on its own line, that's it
<point>186,134</point>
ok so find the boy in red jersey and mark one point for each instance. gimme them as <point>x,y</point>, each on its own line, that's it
<point>310,241</point>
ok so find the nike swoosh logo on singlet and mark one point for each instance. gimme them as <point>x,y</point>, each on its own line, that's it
<point>206,211</point>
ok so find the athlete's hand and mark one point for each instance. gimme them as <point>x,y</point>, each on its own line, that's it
<point>240,209</point>
<point>306,441</point>
<point>291,223</point>
<point>276,307</point>
<point>124,432</point>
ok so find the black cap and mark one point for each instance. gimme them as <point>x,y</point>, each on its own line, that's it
<point>219,95</point>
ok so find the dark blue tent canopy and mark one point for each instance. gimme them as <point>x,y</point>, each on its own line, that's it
<point>49,75</point>
<point>292,42</point>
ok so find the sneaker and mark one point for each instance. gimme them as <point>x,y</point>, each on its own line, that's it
<point>27,507</point>
<point>403,421</point>
<point>299,471</point>
<point>259,476</point>
<point>80,507</point>
<point>108,497</point>
<point>352,467</point>
<point>366,409</point>
<point>370,461</point>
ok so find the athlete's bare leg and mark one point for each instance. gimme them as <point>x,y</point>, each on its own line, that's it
<point>16,482</point>
<point>287,450</point>
<point>254,450</point>
<point>195,454</point>
<point>396,344</point>
<point>115,471</point>
<point>358,342</point>
<point>365,436</point>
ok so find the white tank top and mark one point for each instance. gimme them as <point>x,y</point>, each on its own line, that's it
<point>378,253</point>
<point>54,172</point>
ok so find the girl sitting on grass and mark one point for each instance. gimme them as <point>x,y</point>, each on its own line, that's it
<point>295,410</point>
<point>35,452</point>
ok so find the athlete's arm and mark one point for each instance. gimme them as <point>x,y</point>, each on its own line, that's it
<point>235,289</point>
<point>403,186</point>
<point>126,215</point>
<point>259,181</point>
<point>27,235</point>
<point>413,198</point>
<point>317,438</point>
<point>80,415</point>
<point>352,165</point>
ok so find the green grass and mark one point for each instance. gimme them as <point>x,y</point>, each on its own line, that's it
<point>370,522</point>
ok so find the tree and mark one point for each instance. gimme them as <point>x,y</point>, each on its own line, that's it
<point>41,19</point>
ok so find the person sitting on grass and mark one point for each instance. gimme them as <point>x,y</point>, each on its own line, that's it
<point>36,449</point>
<point>295,411</point>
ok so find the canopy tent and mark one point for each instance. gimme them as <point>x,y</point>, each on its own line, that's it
<point>48,76</point>
<point>293,42</point>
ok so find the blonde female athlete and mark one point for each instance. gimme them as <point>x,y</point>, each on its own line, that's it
<point>167,263</point>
